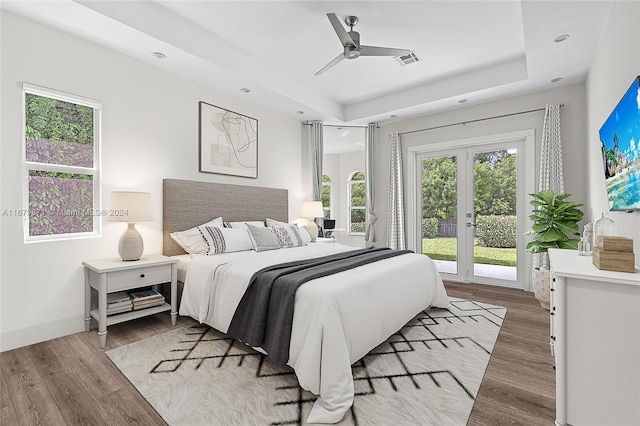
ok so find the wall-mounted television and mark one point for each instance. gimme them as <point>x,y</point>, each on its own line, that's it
<point>620,145</point>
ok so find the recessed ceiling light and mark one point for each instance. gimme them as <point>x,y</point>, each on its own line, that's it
<point>159,55</point>
<point>245,90</point>
<point>462,101</point>
<point>557,79</point>
<point>560,38</point>
<point>300,112</point>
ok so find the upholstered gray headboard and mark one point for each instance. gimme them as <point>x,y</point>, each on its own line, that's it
<point>189,203</point>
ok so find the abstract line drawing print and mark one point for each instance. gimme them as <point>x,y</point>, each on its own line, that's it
<point>228,142</point>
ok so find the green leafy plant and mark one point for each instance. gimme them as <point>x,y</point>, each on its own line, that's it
<point>555,221</point>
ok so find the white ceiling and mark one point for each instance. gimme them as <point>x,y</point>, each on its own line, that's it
<point>343,139</point>
<point>474,50</point>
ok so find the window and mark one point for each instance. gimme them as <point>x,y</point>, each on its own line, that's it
<point>326,196</point>
<point>61,141</point>
<point>357,190</point>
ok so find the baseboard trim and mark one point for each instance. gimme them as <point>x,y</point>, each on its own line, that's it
<point>39,333</point>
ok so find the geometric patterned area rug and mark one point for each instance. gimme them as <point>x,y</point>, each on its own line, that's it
<point>427,373</point>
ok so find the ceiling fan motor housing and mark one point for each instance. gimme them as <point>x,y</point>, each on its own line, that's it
<point>352,52</point>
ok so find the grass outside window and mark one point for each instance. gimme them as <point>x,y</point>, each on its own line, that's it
<point>446,249</point>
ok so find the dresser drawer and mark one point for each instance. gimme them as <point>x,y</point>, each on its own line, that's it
<point>552,315</point>
<point>131,278</point>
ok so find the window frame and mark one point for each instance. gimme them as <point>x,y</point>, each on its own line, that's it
<point>350,183</point>
<point>95,171</point>
<point>329,184</point>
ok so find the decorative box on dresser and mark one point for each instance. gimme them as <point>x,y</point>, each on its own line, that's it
<point>595,339</point>
<point>115,275</point>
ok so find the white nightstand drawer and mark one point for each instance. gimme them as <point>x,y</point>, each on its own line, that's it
<point>120,280</point>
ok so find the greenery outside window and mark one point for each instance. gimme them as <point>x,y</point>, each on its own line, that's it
<point>61,159</point>
<point>357,192</point>
<point>327,195</point>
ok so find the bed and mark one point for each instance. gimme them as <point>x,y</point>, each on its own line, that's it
<point>337,318</point>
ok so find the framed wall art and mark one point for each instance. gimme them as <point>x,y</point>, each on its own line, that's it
<point>228,142</point>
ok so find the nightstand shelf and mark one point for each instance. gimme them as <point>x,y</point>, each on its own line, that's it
<point>126,316</point>
<point>113,275</point>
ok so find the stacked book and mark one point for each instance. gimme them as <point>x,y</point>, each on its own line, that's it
<point>118,302</point>
<point>145,299</point>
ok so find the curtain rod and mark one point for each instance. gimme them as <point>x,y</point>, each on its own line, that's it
<point>474,121</point>
<point>308,123</point>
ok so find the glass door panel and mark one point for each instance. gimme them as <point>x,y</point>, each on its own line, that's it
<point>494,224</point>
<point>439,212</point>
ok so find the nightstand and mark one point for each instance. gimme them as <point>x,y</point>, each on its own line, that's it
<point>112,275</point>
<point>325,240</point>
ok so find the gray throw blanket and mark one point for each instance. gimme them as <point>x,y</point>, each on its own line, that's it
<point>264,317</point>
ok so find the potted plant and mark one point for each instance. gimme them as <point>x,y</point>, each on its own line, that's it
<point>555,221</point>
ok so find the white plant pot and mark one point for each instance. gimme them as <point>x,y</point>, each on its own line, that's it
<point>542,286</point>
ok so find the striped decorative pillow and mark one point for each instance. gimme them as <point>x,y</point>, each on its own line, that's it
<point>225,240</point>
<point>288,235</point>
<point>192,240</point>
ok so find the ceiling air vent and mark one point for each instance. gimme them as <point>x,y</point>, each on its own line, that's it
<point>407,59</point>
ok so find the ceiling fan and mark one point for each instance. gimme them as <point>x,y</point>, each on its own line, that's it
<point>351,43</point>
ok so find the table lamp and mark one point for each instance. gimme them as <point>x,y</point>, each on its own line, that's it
<point>130,207</point>
<point>312,210</point>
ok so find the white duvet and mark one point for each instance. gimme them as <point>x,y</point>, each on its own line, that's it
<point>337,319</point>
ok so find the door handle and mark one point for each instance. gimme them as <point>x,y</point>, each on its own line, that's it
<point>469,224</point>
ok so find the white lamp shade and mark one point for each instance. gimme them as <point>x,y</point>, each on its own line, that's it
<point>131,207</point>
<point>311,209</point>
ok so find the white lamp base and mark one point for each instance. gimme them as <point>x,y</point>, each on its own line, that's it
<point>131,245</point>
<point>312,228</point>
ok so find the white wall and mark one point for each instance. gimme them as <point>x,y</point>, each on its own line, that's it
<point>615,65</point>
<point>573,130</point>
<point>149,132</point>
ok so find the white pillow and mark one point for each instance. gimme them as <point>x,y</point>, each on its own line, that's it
<point>271,222</point>
<point>305,235</point>
<point>191,240</point>
<point>243,225</point>
<point>225,240</point>
<point>288,235</point>
<point>263,238</point>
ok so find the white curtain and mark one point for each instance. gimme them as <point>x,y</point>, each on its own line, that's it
<point>317,149</point>
<point>395,224</point>
<point>551,152</point>
<point>370,234</point>
<point>551,176</point>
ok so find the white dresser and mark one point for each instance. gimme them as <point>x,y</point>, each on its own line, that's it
<point>595,339</point>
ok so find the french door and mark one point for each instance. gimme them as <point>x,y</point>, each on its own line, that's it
<point>470,209</point>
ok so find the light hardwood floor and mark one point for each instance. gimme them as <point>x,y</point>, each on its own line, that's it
<point>519,384</point>
<point>70,381</point>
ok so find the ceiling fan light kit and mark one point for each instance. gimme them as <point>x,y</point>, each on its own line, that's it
<point>352,48</point>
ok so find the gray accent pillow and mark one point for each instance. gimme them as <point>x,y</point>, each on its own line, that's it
<point>263,239</point>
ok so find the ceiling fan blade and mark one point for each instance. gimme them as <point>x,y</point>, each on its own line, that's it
<point>344,37</point>
<point>382,51</point>
<point>332,63</point>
